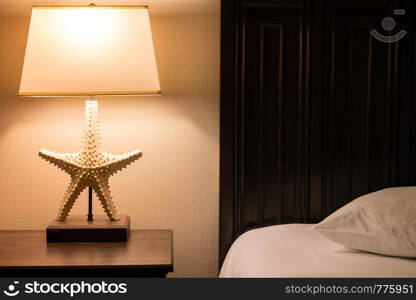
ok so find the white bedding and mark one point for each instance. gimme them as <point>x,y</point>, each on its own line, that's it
<point>293,251</point>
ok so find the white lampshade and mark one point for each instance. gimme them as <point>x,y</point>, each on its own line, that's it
<point>90,50</point>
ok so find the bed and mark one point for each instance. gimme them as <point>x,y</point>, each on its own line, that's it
<point>292,251</point>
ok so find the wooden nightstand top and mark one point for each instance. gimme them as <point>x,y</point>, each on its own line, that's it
<point>25,252</point>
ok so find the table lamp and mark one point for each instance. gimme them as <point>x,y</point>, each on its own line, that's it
<point>89,51</point>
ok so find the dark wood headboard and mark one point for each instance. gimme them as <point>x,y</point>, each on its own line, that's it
<point>314,110</point>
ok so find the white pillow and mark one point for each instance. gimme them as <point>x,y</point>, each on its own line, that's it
<point>382,222</point>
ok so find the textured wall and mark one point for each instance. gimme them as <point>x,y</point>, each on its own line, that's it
<point>175,183</point>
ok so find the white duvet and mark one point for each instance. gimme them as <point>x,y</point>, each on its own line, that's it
<point>293,251</point>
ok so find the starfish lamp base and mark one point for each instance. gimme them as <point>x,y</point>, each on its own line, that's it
<point>90,167</point>
<point>78,229</point>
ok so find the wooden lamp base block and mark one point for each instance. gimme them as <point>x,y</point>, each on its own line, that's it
<point>78,229</point>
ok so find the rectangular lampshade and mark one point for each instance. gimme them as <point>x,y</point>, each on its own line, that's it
<point>91,50</point>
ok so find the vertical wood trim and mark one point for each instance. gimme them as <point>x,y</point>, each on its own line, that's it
<point>279,127</point>
<point>368,112</point>
<point>325,131</point>
<point>349,100</point>
<point>263,27</point>
<point>299,156</point>
<point>228,154</point>
<point>241,129</point>
<point>330,117</point>
<point>413,102</point>
<point>389,111</point>
<point>393,120</point>
<point>261,128</point>
<point>306,139</point>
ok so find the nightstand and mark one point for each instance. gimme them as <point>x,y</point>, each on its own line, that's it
<point>25,253</point>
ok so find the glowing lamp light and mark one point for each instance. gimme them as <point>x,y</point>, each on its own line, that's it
<point>89,51</point>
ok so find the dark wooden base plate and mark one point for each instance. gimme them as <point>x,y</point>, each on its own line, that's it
<point>78,229</point>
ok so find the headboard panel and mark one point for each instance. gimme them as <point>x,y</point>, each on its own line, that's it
<point>314,110</point>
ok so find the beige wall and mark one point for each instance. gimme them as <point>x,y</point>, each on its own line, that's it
<point>174,185</point>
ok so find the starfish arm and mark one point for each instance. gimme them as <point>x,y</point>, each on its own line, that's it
<point>102,189</point>
<point>75,188</point>
<point>117,162</point>
<point>64,161</point>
